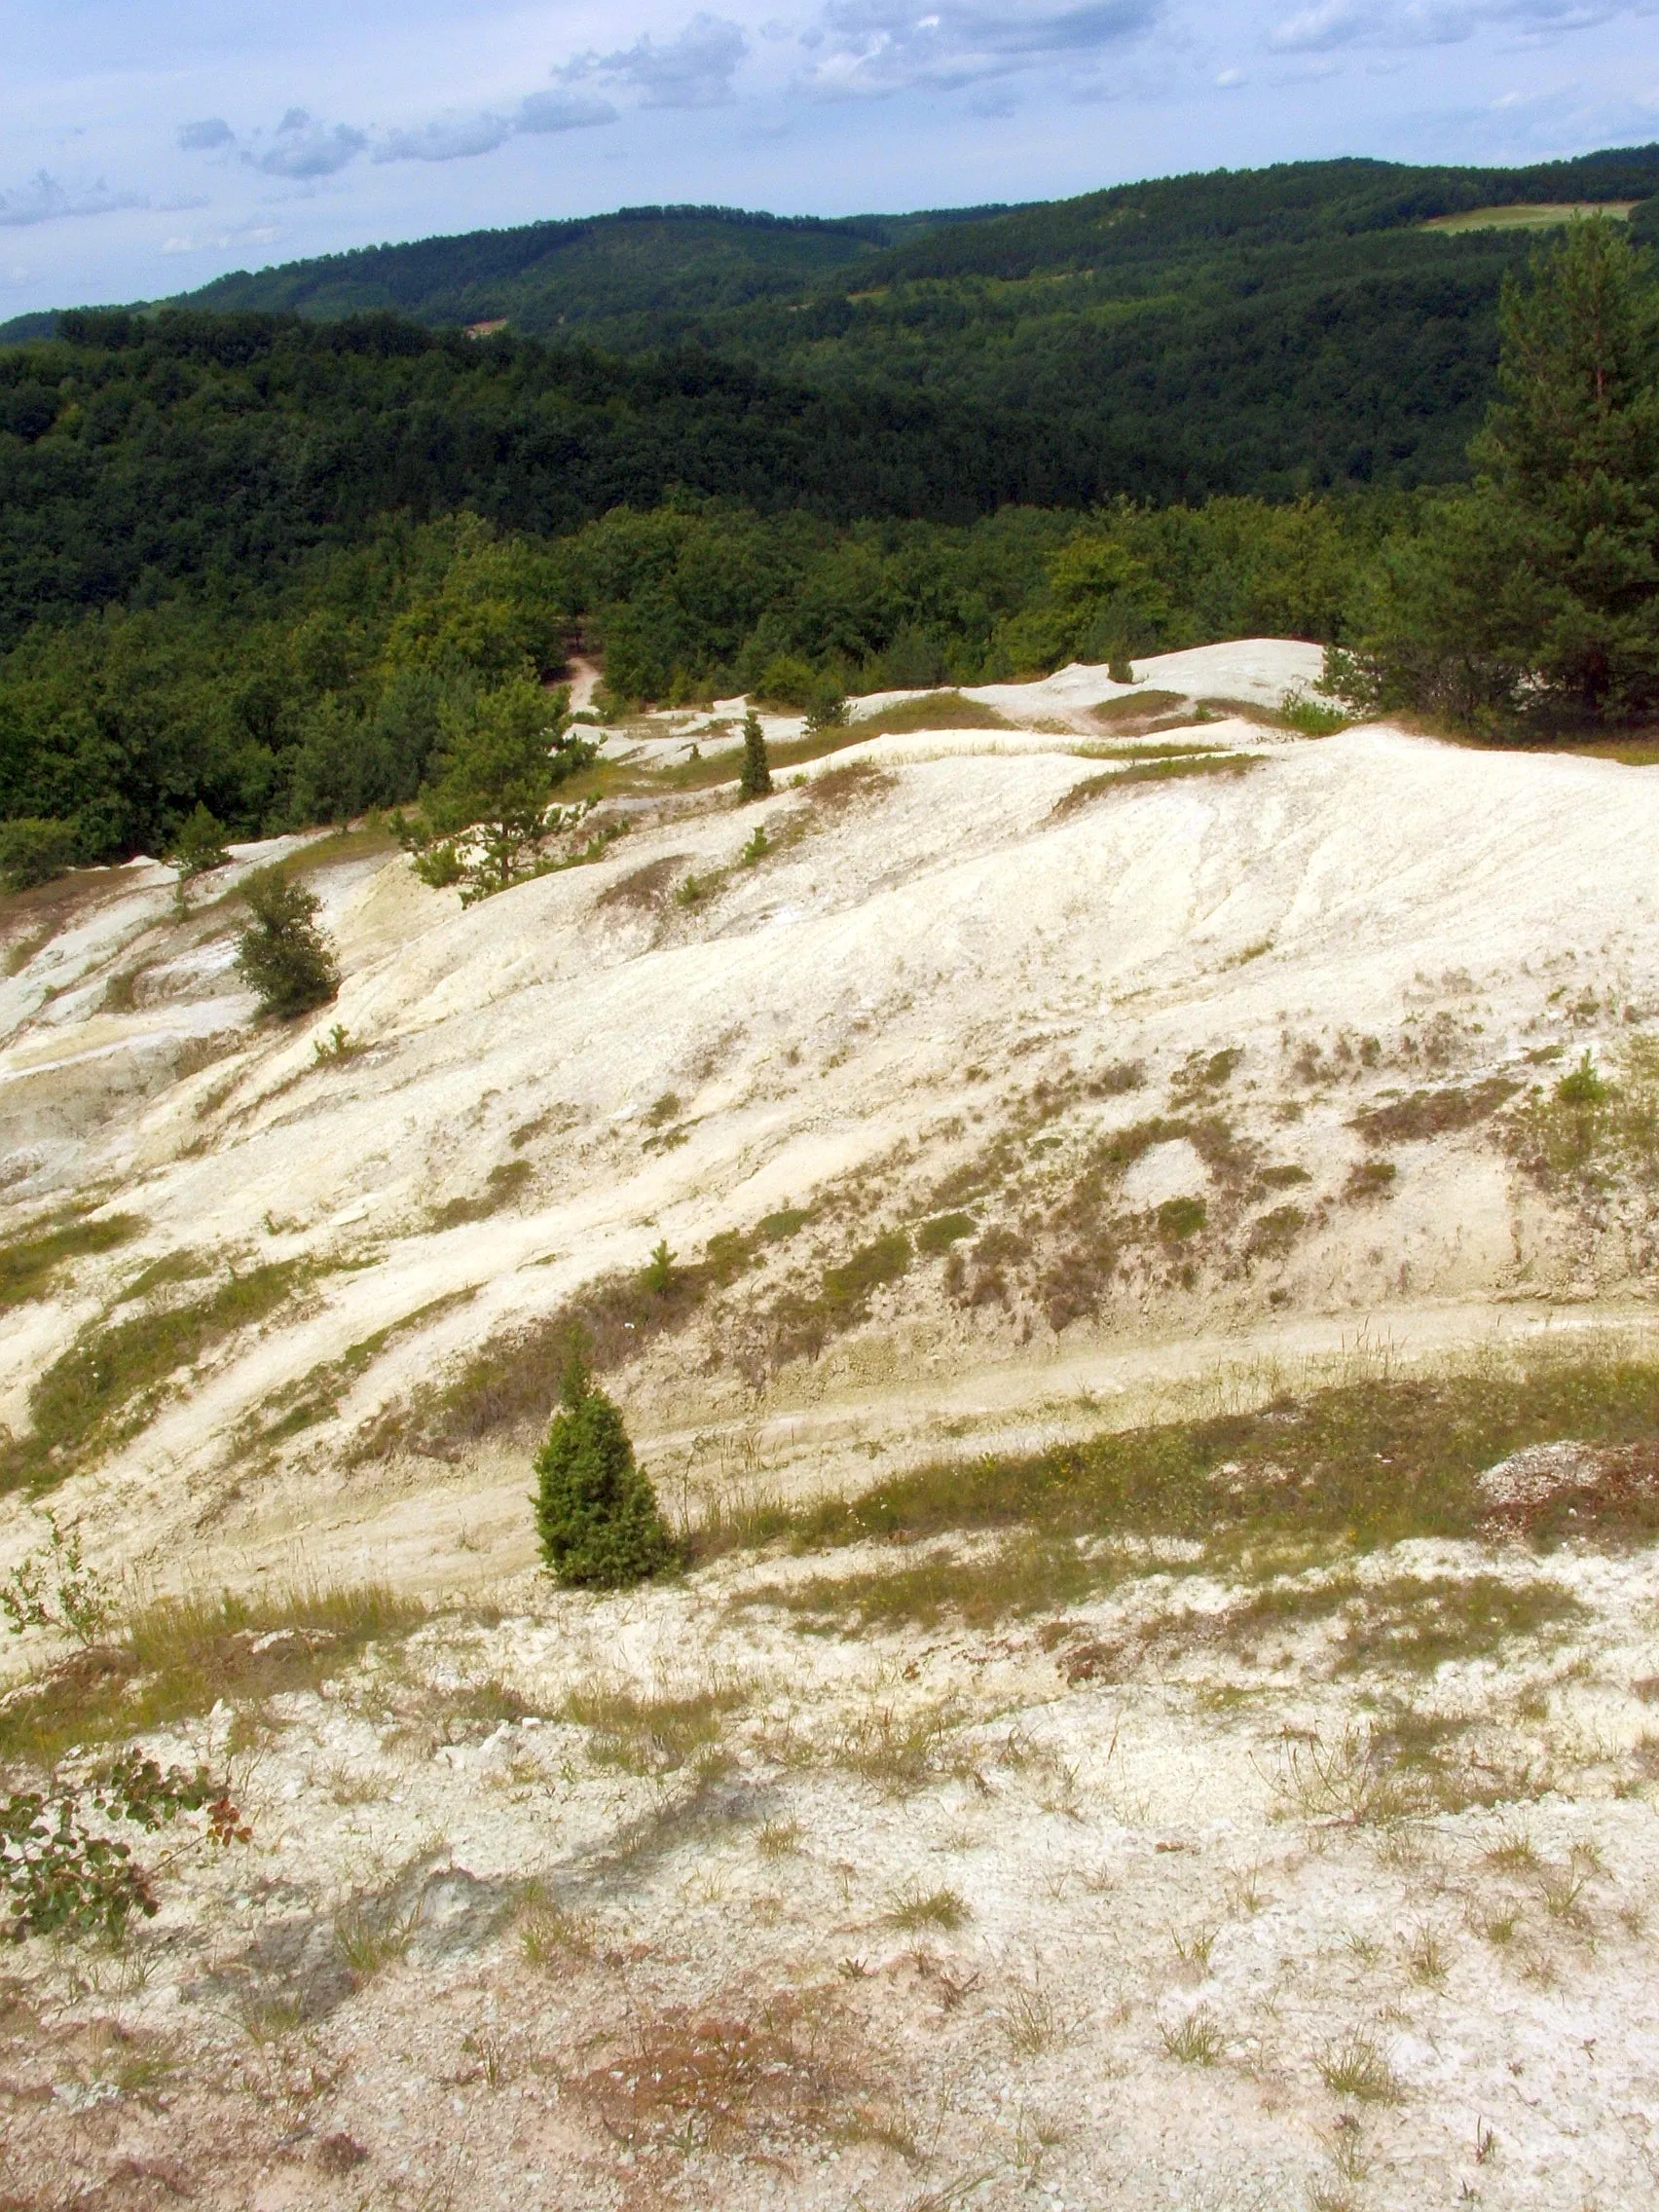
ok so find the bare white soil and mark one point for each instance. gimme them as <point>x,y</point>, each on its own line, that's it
<point>940,954</point>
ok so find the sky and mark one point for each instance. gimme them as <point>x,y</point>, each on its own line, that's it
<point>147,145</point>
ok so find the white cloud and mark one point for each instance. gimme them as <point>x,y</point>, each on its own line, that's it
<point>304,149</point>
<point>451,138</point>
<point>561,111</point>
<point>878,47</point>
<point>693,70</point>
<point>45,199</point>
<point>1432,22</point>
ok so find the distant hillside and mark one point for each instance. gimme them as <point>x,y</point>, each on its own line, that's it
<point>648,277</point>
<point>1272,331</point>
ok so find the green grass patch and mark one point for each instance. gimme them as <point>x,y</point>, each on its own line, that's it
<point>1025,1576</point>
<point>1425,1114</point>
<point>28,1264</point>
<point>945,1231</point>
<point>930,710</point>
<point>1527,215</point>
<point>1168,766</point>
<point>1592,1132</point>
<point>502,1187</point>
<point>109,1383</point>
<point>802,1322</point>
<point>1417,1623</point>
<point>1136,706</point>
<point>1359,1464</point>
<point>175,1659</point>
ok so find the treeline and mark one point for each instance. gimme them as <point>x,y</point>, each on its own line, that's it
<point>136,453</point>
<point>250,599</point>
<point>328,691</point>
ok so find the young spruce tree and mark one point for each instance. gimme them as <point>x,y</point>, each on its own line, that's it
<point>755,779</point>
<point>595,1513</point>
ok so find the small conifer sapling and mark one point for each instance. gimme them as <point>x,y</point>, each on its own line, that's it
<point>595,1513</point>
<point>755,779</point>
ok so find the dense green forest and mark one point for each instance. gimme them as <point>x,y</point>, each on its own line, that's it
<point>259,563</point>
<point>1272,331</point>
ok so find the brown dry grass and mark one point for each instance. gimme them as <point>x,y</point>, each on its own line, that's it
<point>690,2080</point>
<point>178,1657</point>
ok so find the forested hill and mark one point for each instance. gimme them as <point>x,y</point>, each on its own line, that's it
<point>1272,331</point>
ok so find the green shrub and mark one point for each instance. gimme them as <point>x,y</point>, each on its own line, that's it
<point>34,851</point>
<point>596,1514</point>
<point>755,779</point>
<point>944,1231</point>
<point>200,844</point>
<point>1181,1218</point>
<point>826,709</point>
<point>1583,1086</point>
<point>281,953</point>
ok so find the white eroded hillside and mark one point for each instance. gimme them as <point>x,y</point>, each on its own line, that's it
<point>941,953</point>
<point>1252,1807</point>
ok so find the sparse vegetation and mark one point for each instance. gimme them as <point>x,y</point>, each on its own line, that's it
<point>1425,1114</point>
<point>656,1731</point>
<point>1374,1460</point>
<point>1196,2038</point>
<point>178,1657</point>
<point>54,1589</point>
<point>1355,2066</point>
<point>106,1387</point>
<point>29,1263</point>
<point>915,1909</point>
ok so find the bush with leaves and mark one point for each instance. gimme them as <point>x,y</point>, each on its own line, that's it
<point>33,851</point>
<point>63,1876</point>
<point>826,709</point>
<point>755,777</point>
<point>595,1513</point>
<point>55,1588</point>
<point>281,951</point>
<point>200,844</point>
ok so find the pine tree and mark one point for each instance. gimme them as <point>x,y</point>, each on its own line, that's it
<point>1535,593</point>
<point>755,779</point>
<point>281,951</point>
<point>595,1513</point>
<point>505,752</point>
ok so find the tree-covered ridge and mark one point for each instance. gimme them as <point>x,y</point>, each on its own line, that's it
<point>136,453</point>
<point>1269,331</point>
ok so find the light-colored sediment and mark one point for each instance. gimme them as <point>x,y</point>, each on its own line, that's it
<point>937,952</point>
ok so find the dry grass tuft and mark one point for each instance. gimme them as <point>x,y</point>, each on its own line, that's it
<point>652,1732</point>
<point>180,1656</point>
<point>915,1909</point>
<point>1354,2066</point>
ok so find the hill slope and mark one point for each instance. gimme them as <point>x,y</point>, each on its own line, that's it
<point>1124,1232</point>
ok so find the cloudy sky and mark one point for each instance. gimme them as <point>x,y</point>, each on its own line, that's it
<point>146,146</point>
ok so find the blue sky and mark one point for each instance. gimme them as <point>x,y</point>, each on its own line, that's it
<point>146,146</point>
